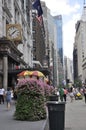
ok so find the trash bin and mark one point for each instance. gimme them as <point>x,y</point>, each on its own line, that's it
<point>56,114</point>
<point>53,98</point>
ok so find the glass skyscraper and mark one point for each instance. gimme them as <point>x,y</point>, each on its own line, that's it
<point>58,22</point>
<point>59,44</point>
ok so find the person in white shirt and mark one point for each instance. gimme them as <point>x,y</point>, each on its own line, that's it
<point>2,92</point>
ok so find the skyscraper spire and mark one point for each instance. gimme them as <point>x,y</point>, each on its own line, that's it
<point>83,17</point>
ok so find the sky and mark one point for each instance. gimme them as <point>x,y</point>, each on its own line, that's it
<point>71,11</point>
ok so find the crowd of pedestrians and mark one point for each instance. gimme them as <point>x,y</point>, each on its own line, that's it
<point>62,93</point>
<point>74,93</point>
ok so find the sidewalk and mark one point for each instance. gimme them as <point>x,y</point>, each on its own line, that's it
<point>75,118</point>
<point>75,115</point>
<point>7,121</point>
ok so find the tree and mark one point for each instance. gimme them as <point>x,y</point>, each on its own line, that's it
<point>78,83</point>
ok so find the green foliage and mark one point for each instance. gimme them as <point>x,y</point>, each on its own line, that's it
<point>31,97</point>
<point>30,107</point>
<point>78,83</point>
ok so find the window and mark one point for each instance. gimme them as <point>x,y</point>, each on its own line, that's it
<point>34,31</point>
<point>34,57</point>
<point>34,49</point>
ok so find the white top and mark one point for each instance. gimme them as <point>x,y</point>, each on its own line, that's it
<point>2,91</point>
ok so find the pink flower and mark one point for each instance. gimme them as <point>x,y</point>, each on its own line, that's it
<point>37,86</point>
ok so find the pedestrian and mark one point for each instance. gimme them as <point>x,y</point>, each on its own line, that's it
<point>8,98</point>
<point>12,93</point>
<point>65,94</point>
<point>2,93</point>
<point>71,95</point>
<point>61,93</point>
<point>57,93</point>
<point>85,93</point>
<point>15,95</point>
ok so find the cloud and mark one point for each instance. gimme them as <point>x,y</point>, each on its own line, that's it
<point>61,7</point>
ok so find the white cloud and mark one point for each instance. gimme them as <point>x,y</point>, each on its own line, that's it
<point>61,7</point>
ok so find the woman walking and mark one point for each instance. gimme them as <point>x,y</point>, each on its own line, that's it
<point>8,98</point>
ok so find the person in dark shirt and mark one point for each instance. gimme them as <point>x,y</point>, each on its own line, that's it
<point>85,93</point>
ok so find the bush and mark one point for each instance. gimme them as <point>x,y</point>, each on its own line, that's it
<point>31,97</point>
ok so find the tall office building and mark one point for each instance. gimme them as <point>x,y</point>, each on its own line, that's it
<point>79,56</point>
<point>58,21</point>
<point>59,44</point>
<point>68,65</point>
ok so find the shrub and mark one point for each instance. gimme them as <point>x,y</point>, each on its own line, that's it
<point>31,97</point>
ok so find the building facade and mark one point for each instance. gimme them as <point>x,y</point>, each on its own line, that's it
<point>15,39</point>
<point>68,65</point>
<point>24,43</point>
<point>50,43</point>
<point>38,34</point>
<point>80,48</point>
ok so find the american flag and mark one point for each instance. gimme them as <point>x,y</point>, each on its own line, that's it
<point>37,5</point>
<point>40,19</point>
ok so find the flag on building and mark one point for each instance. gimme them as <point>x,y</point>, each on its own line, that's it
<point>37,5</point>
<point>40,19</point>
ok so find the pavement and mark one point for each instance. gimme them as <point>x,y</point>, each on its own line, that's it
<point>75,118</point>
<point>7,121</point>
<point>75,115</point>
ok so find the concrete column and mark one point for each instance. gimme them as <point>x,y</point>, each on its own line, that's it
<point>5,72</point>
<point>1,23</point>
